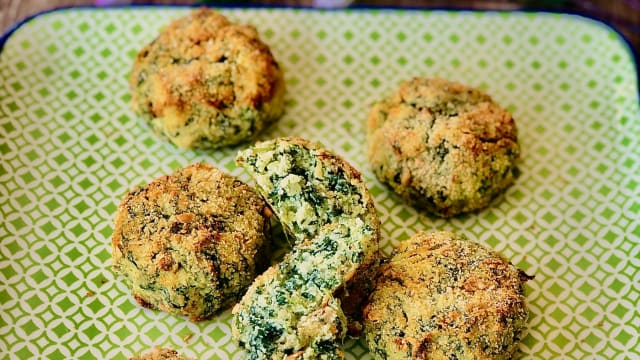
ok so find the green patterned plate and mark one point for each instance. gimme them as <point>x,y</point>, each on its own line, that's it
<point>71,148</point>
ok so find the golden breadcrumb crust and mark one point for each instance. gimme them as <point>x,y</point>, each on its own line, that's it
<point>442,146</point>
<point>205,82</point>
<point>441,296</point>
<point>159,353</point>
<point>190,243</point>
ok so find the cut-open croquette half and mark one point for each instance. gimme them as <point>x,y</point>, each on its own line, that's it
<point>303,306</point>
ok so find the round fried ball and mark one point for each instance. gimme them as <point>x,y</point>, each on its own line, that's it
<point>159,353</point>
<point>441,296</point>
<point>190,243</point>
<point>205,82</point>
<point>442,146</point>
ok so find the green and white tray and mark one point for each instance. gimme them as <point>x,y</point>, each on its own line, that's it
<point>71,147</point>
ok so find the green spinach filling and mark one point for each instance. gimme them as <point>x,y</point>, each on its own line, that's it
<point>303,286</point>
<point>305,192</point>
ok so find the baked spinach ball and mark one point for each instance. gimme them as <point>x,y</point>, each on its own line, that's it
<point>190,243</point>
<point>441,296</point>
<point>442,146</point>
<point>304,306</point>
<point>160,354</point>
<point>205,82</point>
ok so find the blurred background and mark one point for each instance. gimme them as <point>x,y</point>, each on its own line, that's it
<point>623,15</point>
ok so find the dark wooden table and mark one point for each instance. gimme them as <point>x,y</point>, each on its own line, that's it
<point>623,15</point>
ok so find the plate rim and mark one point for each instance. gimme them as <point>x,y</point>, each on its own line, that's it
<point>569,14</point>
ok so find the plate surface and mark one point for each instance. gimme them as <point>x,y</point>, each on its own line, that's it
<point>71,148</point>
